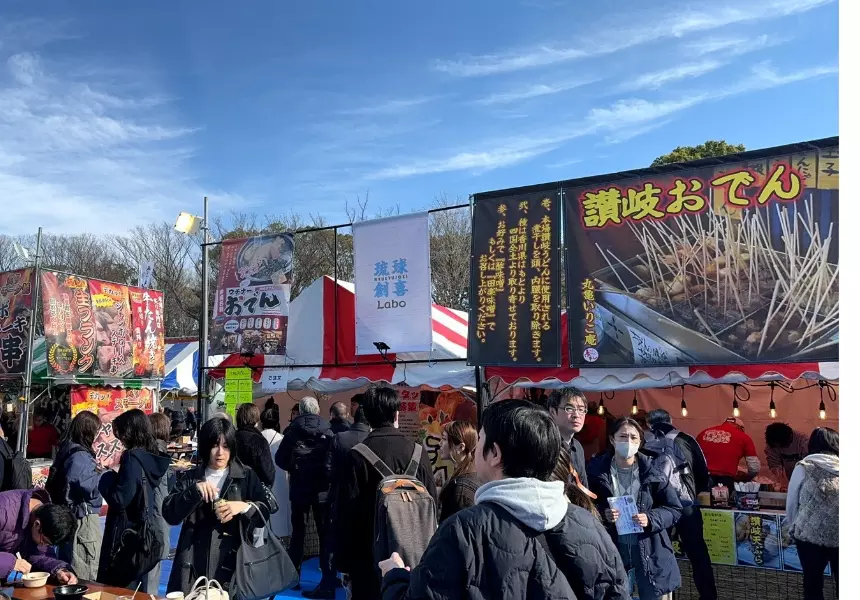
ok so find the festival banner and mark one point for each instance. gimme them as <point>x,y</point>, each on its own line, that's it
<point>112,312</point>
<point>515,283</point>
<point>724,261</point>
<point>434,411</point>
<point>392,284</point>
<point>108,403</point>
<point>70,326</point>
<point>16,310</point>
<point>147,323</point>
<point>253,297</point>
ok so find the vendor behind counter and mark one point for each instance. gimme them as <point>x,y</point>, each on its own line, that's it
<point>724,446</point>
<point>43,438</point>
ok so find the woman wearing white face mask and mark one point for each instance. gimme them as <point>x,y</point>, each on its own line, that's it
<point>624,470</point>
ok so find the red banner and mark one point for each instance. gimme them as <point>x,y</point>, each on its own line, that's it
<point>108,403</point>
<point>147,322</point>
<point>16,310</point>
<point>114,352</point>
<point>70,329</point>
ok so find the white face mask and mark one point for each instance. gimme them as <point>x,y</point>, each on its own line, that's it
<point>626,449</point>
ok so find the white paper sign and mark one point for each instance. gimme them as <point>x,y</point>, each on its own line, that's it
<point>626,505</point>
<point>144,276</point>
<point>392,284</point>
<point>274,380</point>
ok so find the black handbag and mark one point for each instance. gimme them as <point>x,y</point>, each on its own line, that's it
<point>261,571</point>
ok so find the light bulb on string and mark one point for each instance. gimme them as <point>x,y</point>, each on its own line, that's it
<point>822,411</point>
<point>772,403</point>
<point>634,409</point>
<point>601,410</point>
<point>683,408</point>
<point>736,411</point>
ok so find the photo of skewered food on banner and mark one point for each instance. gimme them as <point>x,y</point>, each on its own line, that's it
<point>753,285</point>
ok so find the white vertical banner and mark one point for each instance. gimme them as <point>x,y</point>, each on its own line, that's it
<point>392,284</point>
<point>145,272</point>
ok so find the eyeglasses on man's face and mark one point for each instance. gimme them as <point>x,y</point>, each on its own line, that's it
<point>575,410</point>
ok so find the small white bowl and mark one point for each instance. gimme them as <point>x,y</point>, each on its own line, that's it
<point>35,580</point>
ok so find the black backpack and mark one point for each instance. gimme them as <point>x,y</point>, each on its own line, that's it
<point>56,484</point>
<point>141,546</point>
<point>677,468</point>
<point>17,474</point>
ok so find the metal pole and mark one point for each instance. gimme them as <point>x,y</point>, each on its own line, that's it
<point>203,348</point>
<point>336,285</point>
<point>31,338</point>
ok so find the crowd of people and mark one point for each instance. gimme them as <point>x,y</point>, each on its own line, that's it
<point>526,513</point>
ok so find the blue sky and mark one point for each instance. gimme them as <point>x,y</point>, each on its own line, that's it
<point>114,114</point>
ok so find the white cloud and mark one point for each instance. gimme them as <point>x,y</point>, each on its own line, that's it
<point>623,36</point>
<point>734,46</point>
<point>389,107</point>
<point>657,79</point>
<point>533,91</point>
<point>620,121</point>
<point>82,156</point>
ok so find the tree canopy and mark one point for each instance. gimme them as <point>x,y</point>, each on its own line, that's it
<point>706,150</point>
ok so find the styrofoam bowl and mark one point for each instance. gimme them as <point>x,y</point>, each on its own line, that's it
<point>35,579</point>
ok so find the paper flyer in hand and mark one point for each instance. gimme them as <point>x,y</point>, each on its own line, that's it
<point>625,505</point>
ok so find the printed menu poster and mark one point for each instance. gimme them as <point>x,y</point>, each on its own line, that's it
<point>719,533</point>
<point>626,505</point>
<point>238,388</point>
<point>758,540</point>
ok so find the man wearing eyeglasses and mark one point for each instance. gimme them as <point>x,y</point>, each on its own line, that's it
<point>568,408</point>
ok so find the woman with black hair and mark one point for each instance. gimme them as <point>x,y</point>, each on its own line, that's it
<point>812,511</point>
<point>625,471</point>
<point>253,449</point>
<point>74,482</point>
<point>130,491</point>
<point>209,502</point>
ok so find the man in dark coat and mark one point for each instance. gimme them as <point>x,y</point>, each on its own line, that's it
<point>253,449</point>
<point>302,454</point>
<point>339,421</point>
<point>690,527</point>
<point>568,408</point>
<point>356,491</point>
<point>494,549</point>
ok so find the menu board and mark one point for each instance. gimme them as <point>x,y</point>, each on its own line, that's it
<point>238,388</point>
<point>719,533</point>
<point>515,283</point>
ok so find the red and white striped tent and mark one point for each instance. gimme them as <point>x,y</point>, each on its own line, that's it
<point>316,335</point>
<point>607,379</point>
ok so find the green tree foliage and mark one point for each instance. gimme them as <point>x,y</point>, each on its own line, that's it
<point>706,150</point>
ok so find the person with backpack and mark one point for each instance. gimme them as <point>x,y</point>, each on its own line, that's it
<point>459,441</point>
<point>362,538</point>
<point>161,431</point>
<point>689,477</point>
<point>73,481</point>
<point>627,471</point>
<point>132,544</point>
<point>302,454</point>
<point>30,526</point>
<point>209,503</point>
<point>15,471</point>
<point>523,538</point>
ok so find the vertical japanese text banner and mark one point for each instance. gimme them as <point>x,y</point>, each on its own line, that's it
<point>70,324</point>
<point>253,297</point>
<point>515,284</point>
<point>108,404</point>
<point>147,320</point>
<point>731,263</point>
<point>16,310</point>
<point>392,284</point>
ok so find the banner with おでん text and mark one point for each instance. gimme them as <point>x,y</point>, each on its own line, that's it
<point>392,284</point>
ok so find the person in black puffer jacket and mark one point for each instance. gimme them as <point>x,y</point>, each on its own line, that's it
<point>625,470</point>
<point>522,539</point>
<point>303,455</point>
<point>253,449</point>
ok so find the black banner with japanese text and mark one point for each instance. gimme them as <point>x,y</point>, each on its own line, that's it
<point>515,281</point>
<point>721,261</point>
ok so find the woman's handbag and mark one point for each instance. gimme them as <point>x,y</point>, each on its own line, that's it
<point>206,589</point>
<point>262,570</point>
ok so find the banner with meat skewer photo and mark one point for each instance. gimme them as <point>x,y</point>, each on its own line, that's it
<point>728,260</point>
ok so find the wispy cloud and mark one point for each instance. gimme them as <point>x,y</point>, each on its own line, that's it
<point>624,36</point>
<point>533,91</point>
<point>564,163</point>
<point>734,46</point>
<point>657,79</point>
<point>389,107</point>
<point>74,153</point>
<point>620,121</point>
